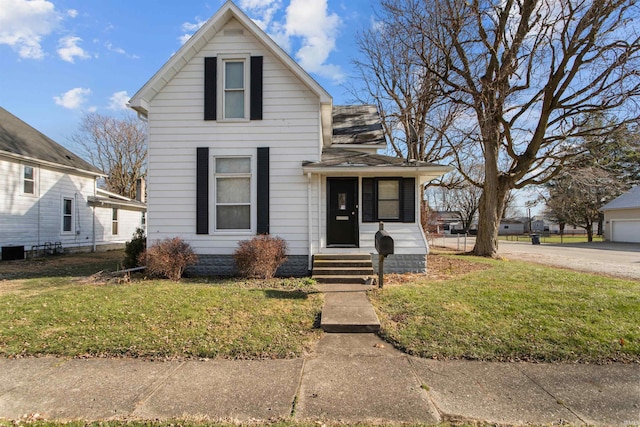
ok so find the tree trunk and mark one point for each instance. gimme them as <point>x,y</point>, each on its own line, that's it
<point>490,213</point>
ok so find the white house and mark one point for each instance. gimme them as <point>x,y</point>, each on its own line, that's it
<point>242,141</point>
<point>49,200</point>
<point>622,217</point>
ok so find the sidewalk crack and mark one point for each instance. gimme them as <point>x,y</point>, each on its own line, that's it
<point>155,387</point>
<point>554,397</point>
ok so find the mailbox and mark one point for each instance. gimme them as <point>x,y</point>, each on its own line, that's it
<point>384,243</point>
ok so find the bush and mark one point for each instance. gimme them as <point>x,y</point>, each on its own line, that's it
<point>260,257</point>
<point>134,248</point>
<point>168,258</point>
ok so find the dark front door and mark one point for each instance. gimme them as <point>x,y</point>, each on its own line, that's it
<point>342,210</point>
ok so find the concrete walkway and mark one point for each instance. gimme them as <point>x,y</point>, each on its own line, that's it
<point>349,378</point>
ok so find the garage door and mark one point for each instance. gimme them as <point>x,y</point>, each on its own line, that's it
<point>626,231</point>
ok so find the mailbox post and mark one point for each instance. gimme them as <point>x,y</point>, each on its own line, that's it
<point>384,246</point>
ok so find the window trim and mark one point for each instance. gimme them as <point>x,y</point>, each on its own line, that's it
<point>221,83</point>
<point>70,215</point>
<point>252,193</point>
<point>23,180</point>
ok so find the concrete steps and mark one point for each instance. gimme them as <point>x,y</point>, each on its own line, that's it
<point>343,280</point>
<point>342,268</point>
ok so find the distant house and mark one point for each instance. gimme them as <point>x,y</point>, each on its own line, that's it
<point>242,142</point>
<point>622,217</point>
<point>512,226</point>
<point>49,199</point>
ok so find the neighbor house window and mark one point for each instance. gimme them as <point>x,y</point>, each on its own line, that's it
<point>29,180</point>
<point>233,193</point>
<point>67,215</point>
<point>114,221</point>
<point>234,88</point>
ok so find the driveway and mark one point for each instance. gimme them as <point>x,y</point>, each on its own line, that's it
<point>615,259</point>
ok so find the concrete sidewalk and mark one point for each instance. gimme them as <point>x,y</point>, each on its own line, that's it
<point>349,378</point>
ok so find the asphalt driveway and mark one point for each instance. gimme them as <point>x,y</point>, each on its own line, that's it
<point>615,259</point>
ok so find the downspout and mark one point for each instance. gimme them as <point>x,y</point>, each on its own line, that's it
<point>39,183</point>
<point>310,222</point>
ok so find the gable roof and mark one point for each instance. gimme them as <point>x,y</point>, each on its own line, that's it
<point>628,200</point>
<point>19,140</point>
<point>356,125</point>
<point>229,10</point>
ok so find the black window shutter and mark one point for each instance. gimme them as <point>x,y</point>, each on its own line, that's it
<point>202,190</point>
<point>256,88</point>
<point>368,200</point>
<point>210,88</point>
<point>263,190</point>
<point>409,200</point>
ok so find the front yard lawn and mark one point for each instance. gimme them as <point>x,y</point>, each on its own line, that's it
<point>512,311</point>
<point>68,316</point>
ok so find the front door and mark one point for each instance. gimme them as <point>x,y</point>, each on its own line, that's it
<point>342,211</point>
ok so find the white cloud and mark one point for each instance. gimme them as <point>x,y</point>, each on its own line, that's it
<point>72,13</point>
<point>306,24</point>
<point>111,48</point>
<point>119,100</point>
<point>310,20</point>
<point>24,23</point>
<point>68,49</point>
<point>189,28</point>
<point>73,99</point>
<point>265,9</point>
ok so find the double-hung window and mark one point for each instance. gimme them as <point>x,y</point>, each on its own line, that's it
<point>67,215</point>
<point>389,199</point>
<point>234,100</point>
<point>114,221</point>
<point>28,180</point>
<point>233,193</point>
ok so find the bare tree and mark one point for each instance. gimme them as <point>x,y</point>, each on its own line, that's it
<point>118,146</point>
<point>523,75</point>
<point>413,108</point>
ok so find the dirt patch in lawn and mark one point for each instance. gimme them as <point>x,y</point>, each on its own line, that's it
<point>82,264</point>
<point>439,267</point>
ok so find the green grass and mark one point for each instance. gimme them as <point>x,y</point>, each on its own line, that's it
<point>158,319</point>
<point>515,311</point>
<point>554,239</point>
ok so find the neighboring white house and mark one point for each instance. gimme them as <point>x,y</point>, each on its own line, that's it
<point>512,226</point>
<point>49,200</point>
<point>242,141</point>
<point>622,217</point>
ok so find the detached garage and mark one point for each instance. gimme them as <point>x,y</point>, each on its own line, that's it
<point>622,217</point>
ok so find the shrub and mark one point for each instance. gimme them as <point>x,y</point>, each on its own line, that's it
<point>134,248</point>
<point>168,258</point>
<point>260,257</point>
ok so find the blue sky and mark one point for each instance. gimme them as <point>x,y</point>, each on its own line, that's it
<point>63,58</point>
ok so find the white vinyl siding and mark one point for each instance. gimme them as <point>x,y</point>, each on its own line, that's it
<point>290,128</point>
<point>35,220</point>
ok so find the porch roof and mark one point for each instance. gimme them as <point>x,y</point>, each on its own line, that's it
<point>340,161</point>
